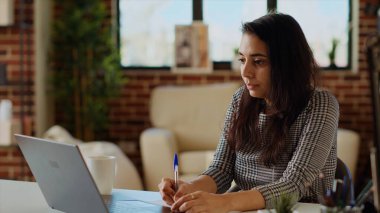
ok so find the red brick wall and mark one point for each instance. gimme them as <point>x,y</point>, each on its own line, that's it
<point>129,113</point>
<point>11,161</point>
<point>13,165</point>
<point>10,53</point>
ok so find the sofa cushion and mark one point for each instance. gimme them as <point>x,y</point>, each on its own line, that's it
<point>60,134</point>
<point>194,113</point>
<point>194,162</point>
<point>348,142</point>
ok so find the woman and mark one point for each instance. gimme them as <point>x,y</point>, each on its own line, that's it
<point>280,131</point>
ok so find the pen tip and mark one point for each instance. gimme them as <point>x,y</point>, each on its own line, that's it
<point>175,159</point>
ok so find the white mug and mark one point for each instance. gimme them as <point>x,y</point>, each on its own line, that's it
<point>5,110</point>
<point>103,170</point>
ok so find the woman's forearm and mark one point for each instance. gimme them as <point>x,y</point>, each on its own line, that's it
<point>204,183</point>
<point>237,201</point>
<point>244,200</point>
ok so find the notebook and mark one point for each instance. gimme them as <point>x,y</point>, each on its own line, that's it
<point>66,182</point>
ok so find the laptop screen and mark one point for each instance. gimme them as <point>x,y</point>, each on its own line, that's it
<point>62,175</point>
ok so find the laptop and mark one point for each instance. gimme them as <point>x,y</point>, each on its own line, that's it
<point>66,182</point>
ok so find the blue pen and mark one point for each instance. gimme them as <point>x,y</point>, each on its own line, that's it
<point>345,190</point>
<point>352,193</point>
<point>364,193</point>
<point>175,172</point>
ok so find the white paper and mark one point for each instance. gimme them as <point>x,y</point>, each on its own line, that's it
<point>143,196</point>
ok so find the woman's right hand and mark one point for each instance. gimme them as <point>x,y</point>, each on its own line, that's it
<point>168,194</point>
<point>167,190</point>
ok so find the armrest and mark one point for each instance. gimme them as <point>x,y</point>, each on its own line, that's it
<point>157,149</point>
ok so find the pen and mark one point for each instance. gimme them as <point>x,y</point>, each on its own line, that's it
<point>364,193</point>
<point>345,189</point>
<point>352,192</point>
<point>175,172</point>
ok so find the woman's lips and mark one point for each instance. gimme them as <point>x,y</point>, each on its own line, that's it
<point>252,86</point>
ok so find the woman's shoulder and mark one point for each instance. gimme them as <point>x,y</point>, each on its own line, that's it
<point>322,94</point>
<point>323,97</point>
<point>238,93</point>
<point>237,97</point>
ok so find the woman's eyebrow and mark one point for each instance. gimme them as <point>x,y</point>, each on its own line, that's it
<point>255,54</point>
<point>258,54</point>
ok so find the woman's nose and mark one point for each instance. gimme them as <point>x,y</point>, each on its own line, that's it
<point>247,71</point>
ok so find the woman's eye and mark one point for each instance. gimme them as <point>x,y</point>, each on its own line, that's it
<point>259,62</point>
<point>241,60</point>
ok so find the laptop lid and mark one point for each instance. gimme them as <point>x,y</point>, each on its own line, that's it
<point>62,175</point>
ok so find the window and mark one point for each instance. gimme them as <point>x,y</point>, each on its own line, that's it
<point>322,22</point>
<point>146,28</point>
<point>224,19</point>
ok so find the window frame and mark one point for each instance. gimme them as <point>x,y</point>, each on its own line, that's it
<point>226,65</point>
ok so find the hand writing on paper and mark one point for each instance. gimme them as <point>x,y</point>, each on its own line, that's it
<point>167,190</point>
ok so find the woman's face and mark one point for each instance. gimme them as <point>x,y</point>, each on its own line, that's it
<point>255,65</point>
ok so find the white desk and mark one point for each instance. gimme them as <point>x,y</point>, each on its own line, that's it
<point>22,197</point>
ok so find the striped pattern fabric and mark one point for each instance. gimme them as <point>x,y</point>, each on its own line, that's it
<point>311,150</point>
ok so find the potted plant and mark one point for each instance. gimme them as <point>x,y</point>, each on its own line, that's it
<point>284,204</point>
<point>85,66</point>
<point>235,64</point>
<point>332,53</point>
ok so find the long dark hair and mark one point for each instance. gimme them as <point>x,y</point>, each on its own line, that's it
<point>293,71</point>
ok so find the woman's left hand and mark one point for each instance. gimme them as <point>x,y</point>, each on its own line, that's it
<point>201,202</point>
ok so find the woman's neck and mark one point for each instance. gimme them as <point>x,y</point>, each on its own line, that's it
<point>268,108</point>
